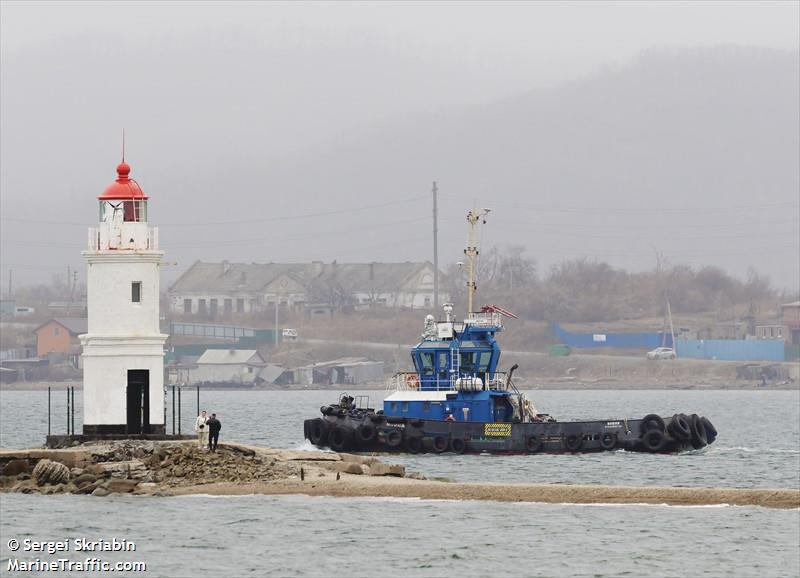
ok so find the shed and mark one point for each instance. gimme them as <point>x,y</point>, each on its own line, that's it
<point>228,366</point>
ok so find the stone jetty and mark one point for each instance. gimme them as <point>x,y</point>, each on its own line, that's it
<point>160,468</point>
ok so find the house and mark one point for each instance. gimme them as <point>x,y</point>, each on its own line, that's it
<point>219,290</point>
<point>7,308</point>
<point>240,366</point>
<point>791,320</point>
<point>59,335</point>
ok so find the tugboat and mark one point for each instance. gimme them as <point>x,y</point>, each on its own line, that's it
<point>457,401</point>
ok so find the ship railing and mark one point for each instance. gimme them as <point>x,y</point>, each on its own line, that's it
<point>484,319</point>
<point>409,381</point>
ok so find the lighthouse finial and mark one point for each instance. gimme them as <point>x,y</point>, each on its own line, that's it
<point>123,145</point>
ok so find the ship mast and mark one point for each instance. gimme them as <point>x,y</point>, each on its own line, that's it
<point>471,252</point>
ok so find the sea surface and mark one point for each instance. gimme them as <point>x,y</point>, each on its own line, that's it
<point>758,446</point>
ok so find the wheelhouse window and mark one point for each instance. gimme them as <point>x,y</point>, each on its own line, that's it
<point>136,291</point>
<point>425,366</point>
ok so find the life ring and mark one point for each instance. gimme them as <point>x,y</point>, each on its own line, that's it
<point>651,421</point>
<point>699,437</point>
<point>394,438</point>
<point>573,442</point>
<point>366,432</point>
<point>317,432</point>
<point>679,427</point>
<point>339,438</point>
<point>654,440</point>
<point>608,441</point>
<point>414,444</point>
<point>412,381</point>
<point>457,445</point>
<point>533,444</point>
<point>711,431</point>
<point>439,444</point>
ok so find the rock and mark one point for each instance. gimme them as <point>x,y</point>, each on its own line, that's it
<point>120,485</point>
<point>16,467</point>
<point>178,472</point>
<point>100,491</point>
<point>70,458</point>
<point>50,472</point>
<point>84,480</point>
<point>26,487</point>
<point>75,472</point>
<point>346,468</point>
<point>416,476</point>
<point>145,488</point>
<point>381,469</point>
<point>89,488</point>
<point>125,469</point>
<point>95,469</point>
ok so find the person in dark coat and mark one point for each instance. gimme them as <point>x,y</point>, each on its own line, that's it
<point>213,425</point>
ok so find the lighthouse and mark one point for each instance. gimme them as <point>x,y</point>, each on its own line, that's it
<point>123,350</point>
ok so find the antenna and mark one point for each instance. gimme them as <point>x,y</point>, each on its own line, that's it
<point>473,218</point>
<point>123,145</point>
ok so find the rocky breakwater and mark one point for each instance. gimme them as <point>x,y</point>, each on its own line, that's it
<point>165,468</point>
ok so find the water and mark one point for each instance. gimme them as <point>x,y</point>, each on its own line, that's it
<point>301,536</point>
<point>758,446</point>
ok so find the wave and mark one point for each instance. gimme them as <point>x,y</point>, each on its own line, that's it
<point>755,450</point>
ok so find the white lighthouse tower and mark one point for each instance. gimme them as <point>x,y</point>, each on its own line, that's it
<point>123,350</point>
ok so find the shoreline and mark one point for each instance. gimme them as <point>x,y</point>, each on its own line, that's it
<point>565,385</point>
<point>180,468</point>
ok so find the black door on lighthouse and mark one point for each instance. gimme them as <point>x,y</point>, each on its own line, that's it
<point>138,398</point>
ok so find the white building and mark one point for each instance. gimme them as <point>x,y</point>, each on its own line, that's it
<point>219,290</point>
<point>123,349</point>
<point>227,366</point>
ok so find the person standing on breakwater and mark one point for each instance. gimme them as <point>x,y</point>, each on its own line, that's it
<point>201,429</point>
<point>214,425</point>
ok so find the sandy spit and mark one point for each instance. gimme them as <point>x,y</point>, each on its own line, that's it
<point>357,486</point>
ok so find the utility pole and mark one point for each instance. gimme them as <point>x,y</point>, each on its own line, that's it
<point>435,251</point>
<point>276,321</point>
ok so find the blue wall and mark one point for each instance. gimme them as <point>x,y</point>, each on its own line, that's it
<point>732,349</point>
<point>621,340</point>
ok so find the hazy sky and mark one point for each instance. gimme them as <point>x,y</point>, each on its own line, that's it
<point>214,95</point>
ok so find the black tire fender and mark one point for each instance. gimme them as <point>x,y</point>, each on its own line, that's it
<point>608,441</point>
<point>366,432</point>
<point>573,442</point>
<point>457,445</point>
<point>651,421</point>
<point>375,418</point>
<point>654,440</point>
<point>439,444</point>
<point>414,444</point>
<point>711,431</point>
<point>699,438</point>
<point>679,427</point>
<point>339,438</point>
<point>533,444</point>
<point>318,431</point>
<point>394,437</point>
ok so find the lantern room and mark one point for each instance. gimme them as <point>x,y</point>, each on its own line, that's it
<point>123,217</point>
<point>123,198</point>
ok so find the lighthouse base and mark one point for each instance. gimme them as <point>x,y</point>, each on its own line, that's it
<point>67,441</point>
<point>122,430</point>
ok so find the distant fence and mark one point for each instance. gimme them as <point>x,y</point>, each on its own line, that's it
<point>598,340</point>
<point>732,349</point>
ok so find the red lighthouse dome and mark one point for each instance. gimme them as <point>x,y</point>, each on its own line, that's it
<point>124,188</point>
